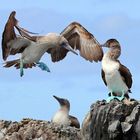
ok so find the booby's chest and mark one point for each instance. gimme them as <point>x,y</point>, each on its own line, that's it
<point>112,75</point>
<point>61,117</point>
<point>109,66</point>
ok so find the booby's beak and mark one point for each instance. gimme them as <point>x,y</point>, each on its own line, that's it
<point>60,100</point>
<point>68,47</point>
<point>104,45</point>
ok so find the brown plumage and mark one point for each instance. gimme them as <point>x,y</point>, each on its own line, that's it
<point>80,39</point>
<point>16,63</point>
<point>74,122</point>
<point>6,36</point>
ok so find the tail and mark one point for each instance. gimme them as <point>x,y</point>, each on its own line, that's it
<point>16,63</point>
<point>11,63</point>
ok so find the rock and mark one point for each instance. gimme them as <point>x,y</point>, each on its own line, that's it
<point>105,121</point>
<point>112,121</point>
<point>29,129</point>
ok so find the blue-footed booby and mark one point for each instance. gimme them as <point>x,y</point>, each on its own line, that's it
<point>62,116</point>
<point>116,76</point>
<point>31,51</point>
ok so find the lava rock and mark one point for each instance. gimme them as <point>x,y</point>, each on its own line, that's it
<point>112,121</point>
<point>29,129</point>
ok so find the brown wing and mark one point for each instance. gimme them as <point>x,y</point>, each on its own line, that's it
<point>103,76</point>
<point>126,75</point>
<point>8,34</point>
<point>74,121</point>
<point>79,38</point>
<point>11,43</point>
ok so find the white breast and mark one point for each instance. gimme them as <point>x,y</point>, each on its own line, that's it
<point>33,53</point>
<point>113,77</point>
<point>61,117</point>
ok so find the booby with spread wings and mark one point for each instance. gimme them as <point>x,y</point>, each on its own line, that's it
<point>74,36</point>
<point>31,51</point>
<point>62,116</point>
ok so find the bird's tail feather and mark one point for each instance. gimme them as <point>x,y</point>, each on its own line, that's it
<point>16,63</point>
<point>11,63</point>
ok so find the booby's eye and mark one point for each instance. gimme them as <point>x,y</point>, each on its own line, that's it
<point>63,44</point>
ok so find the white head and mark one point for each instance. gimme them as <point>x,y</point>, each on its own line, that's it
<point>57,40</point>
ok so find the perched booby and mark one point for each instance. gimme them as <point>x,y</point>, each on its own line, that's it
<point>31,51</point>
<point>62,116</point>
<point>116,76</point>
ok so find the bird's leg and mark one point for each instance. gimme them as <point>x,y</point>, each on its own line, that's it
<point>121,97</point>
<point>110,97</point>
<point>21,67</point>
<point>43,66</point>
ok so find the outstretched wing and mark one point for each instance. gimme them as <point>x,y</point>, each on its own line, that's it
<point>8,34</point>
<point>79,38</point>
<point>11,43</point>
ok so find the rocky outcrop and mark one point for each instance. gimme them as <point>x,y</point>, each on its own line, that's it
<point>112,121</point>
<point>105,121</point>
<point>29,129</point>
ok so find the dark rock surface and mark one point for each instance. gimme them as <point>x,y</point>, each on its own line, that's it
<point>112,121</point>
<point>29,129</point>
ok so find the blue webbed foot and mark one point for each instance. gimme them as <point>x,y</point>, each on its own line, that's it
<point>110,98</point>
<point>120,98</point>
<point>21,68</point>
<point>43,66</point>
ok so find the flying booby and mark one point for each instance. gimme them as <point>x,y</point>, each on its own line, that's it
<point>116,76</point>
<point>73,37</point>
<point>31,51</point>
<point>62,116</point>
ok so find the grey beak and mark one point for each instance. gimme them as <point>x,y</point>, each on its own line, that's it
<point>58,99</point>
<point>104,45</point>
<point>68,47</point>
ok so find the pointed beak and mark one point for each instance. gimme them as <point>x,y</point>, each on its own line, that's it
<point>58,99</point>
<point>68,47</point>
<point>104,45</point>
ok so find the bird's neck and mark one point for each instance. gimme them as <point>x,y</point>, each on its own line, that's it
<point>64,109</point>
<point>47,44</point>
<point>112,54</point>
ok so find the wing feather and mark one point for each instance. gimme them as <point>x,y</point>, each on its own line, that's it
<point>8,34</point>
<point>74,122</point>
<point>126,75</point>
<point>103,77</point>
<point>80,39</point>
<point>12,43</point>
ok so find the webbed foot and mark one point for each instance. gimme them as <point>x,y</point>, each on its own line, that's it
<point>43,66</point>
<point>110,98</point>
<point>120,98</point>
<point>21,68</point>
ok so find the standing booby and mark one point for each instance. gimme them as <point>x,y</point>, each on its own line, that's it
<point>31,51</point>
<point>116,76</point>
<point>62,116</point>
